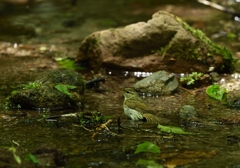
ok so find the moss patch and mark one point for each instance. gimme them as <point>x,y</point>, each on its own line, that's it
<point>213,49</point>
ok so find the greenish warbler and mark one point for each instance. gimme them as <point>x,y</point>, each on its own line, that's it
<point>135,108</point>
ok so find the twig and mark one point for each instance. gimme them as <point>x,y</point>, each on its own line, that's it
<point>101,127</point>
<point>16,143</point>
<point>219,7</point>
<point>82,127</point>
<point>94,81</point>
<point>98,129</point>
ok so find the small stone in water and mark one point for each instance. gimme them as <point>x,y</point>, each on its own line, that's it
<point>187,111</point>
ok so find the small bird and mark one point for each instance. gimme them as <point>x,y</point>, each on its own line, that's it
<point>135,108</point>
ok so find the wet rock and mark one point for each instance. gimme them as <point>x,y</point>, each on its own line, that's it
<point>163,43</point>
<point>160,82</point>
<point>187,111</point>
<point>55,90</point>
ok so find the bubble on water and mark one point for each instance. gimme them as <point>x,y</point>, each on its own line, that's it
<point>223,81</point>
<point>149,95</point>
<point>125,73</point>
<point>235,76</point>
<point>15,45</point>
<point>142,74</point>
<point>137,74</point>
<point>182,75</point>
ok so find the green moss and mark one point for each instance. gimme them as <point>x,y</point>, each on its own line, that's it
<point>32,85</point>
<point>161,51</point>
<point>214,49</point>
<point>93,42</point>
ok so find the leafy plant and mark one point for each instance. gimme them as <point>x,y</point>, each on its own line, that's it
<point>68,64</point>
<point>64,88</point>
<point>231,35</point>
<point>32,158</point>
<point>32,85</point>
<point>147,147</point>
<point>92,117</point>
<point>191,78</point>
<point>16,157</point>
<point>149,163</point>
<point>216,92</point>
<point>172,129</point>
<point>150,148</point>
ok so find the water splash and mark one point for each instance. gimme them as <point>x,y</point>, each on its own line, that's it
<point>231,83</point>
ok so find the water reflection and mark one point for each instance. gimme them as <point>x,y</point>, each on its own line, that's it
<point>137,74</point>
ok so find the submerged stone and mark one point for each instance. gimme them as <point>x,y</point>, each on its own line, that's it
<point>164,42</point>
<point>187,111</point>
<point>43,92</point>
<point>160,82</point>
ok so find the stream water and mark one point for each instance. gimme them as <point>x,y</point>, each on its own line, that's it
<point>60,25</point>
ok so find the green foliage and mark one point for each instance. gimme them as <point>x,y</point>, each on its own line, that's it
<point>32,158</point>
<point>162,51</point>
<point>149,163</point>
<point>216,92</point>
<point>92,118</point>
<point>32,85</point>
<point>68,64</point>
<point>172,129</point>
<point>64,88</point>
<point>231,36</point>
<point>147,147</point>
<point>16,157</point>
<point>14,92</point>
<point>191,78</point>
<point>29,156</point>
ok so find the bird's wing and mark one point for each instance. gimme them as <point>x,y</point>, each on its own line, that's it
<point>152,118</point>
<point>141,106</point>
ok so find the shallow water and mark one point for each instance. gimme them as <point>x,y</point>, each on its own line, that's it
<point>64,143</point>
<point>215,139</point>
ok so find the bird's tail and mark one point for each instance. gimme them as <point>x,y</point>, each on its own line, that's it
<point>150,118</point>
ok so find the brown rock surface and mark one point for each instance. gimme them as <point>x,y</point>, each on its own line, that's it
<point>163,43</point>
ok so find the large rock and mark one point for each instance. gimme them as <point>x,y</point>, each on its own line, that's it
<point>163,43</point>
<point>56,90</point>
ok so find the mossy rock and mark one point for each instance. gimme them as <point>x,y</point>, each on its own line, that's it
<point>43,92</point>
<point>164,42</point>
